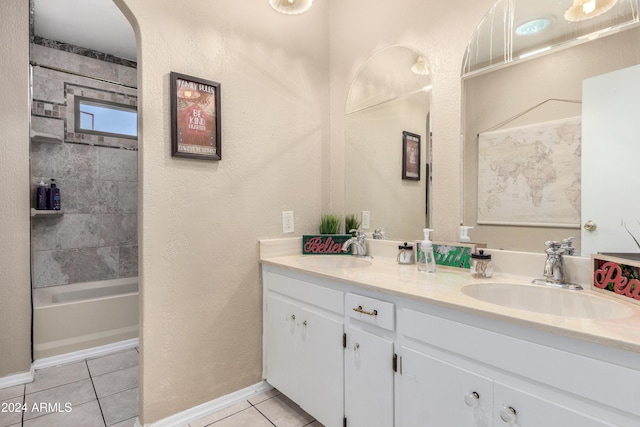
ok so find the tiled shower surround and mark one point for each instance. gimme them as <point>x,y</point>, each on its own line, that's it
<point>96,237</point>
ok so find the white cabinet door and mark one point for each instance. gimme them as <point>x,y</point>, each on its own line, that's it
<point>513,407</point>
<point>438,394</point>
<point>304,359</point>
<point>322,377</point>
<point>283,347</point>
<point>368,365</point>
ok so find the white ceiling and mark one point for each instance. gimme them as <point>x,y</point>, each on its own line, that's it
<point>93,24</point>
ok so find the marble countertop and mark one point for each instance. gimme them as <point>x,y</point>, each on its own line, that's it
<point>444,288</point>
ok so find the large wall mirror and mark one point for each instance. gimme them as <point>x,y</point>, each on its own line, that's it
<point>551,106</point>
<point>386,127</point>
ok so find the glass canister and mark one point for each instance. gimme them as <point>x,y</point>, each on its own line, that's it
<point>405,254</point>
<point>481,265</point>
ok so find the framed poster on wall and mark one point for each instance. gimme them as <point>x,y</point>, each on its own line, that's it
<point>195,118</point>
<point>410,156</point>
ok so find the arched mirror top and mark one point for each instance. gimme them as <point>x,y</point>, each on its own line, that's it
<point>390,74</point>
<point>516,30</point>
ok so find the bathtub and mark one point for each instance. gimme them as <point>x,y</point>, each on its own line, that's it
<point>81,316</point>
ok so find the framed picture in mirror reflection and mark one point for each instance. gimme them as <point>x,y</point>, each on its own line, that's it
<point>410,156</point>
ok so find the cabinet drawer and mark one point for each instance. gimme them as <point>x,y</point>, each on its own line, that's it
<point>319,296</point>
<point>371,310</point>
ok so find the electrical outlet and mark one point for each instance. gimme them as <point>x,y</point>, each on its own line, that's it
<point>366,220</point>
<point>287,222</point>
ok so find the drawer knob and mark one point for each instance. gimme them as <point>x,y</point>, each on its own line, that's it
<point>359,309</point>
<point>293,317</point>
<point>472,399</point>
<point>508,415</point>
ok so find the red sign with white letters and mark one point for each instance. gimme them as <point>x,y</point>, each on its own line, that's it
<point>617,276</point>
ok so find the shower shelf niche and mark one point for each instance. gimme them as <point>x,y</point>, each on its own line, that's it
<point>45,137</point>
<point>42,212</point>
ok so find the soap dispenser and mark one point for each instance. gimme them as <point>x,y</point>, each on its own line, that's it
<point>464,233</point>
<point>426,259</point>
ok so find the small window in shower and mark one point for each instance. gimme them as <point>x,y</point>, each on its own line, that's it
<point>106,118</point>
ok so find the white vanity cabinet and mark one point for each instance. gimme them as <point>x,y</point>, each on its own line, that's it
<point>303,345</point>
<point>353,356</point>
<point>458,375</point>
<point>437,393</point>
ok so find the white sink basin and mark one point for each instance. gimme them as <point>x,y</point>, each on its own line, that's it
<point>547,300</point>
<point>335,261</point>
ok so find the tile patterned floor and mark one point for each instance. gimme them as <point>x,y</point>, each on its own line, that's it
<point>94,392</point>
<point>266,409</point>
<point>103,392</point>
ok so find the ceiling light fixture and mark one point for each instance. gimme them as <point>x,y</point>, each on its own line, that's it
<point>291,7</point>
<point>420,67</point>
<point>533,27</point>
<point>587,9</point>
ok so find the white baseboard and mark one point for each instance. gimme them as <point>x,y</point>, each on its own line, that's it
<point>76,356</point>
<point>201,411</point>
<point>17,379</point>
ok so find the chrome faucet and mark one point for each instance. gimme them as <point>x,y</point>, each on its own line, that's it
<point>567,246</point>
<point>378,233</point>
<point>554,268</point>
<point>360,247</point>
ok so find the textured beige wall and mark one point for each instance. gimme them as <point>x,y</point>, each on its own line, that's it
<point>15,285</point>
<point>200,222</point>
<point>440,29</point>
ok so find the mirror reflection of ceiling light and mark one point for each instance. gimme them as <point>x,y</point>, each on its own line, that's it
<point>587,9</point>
<point>532,27</point>
<point>291,7</point>
<point>420,67</point>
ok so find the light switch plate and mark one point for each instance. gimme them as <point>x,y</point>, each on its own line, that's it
<point>287,222</point>
<point>366,220</point>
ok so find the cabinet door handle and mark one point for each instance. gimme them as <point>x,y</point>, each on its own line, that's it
<point>359,309</point>
<point>293,317</point>
<point>304,323</point>
<point>508,415</point>
<point>472,399</point>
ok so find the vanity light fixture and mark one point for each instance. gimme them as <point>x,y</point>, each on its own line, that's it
<point>291,7</point>
<point>533,27</point>
<point>420,67</point>
<point>587,9</point>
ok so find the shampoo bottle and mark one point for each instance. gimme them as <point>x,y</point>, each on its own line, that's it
<point>426,259</point>
<point>54,196</point>
<point>41,196</point>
